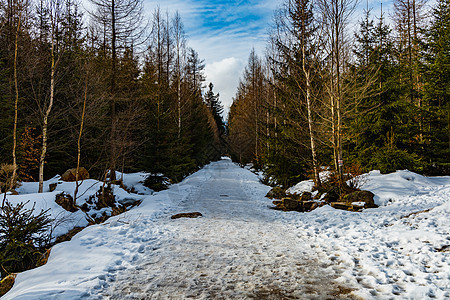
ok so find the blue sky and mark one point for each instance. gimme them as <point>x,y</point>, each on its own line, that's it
<point>224,32</point>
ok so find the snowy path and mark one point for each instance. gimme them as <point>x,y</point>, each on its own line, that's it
<point>241,249</point>
<point>236,250</point>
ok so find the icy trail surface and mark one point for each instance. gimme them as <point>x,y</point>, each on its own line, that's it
<point>241,249</point>
<point>237,250</point>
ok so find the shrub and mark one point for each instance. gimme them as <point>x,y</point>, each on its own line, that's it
<point>23,237</point>
<point>156,182</point>
<point>389,160</point>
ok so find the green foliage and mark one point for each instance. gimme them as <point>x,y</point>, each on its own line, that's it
<point>215,106</point>
<point>436,77</point>
<point>23,236</point>
<point>387,160</point>
<point>156,182</point>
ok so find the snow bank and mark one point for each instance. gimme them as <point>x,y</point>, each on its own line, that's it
<point>394,251</point>
<point>64,220</point>
<point>394,186</point>
<point>301,187</point>
<point>135,181</point>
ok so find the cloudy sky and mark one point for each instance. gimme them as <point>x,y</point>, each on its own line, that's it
<point>223,32</point>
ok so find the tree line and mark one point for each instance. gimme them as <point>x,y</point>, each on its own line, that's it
<point>377,98</point>
<point>107,89</point>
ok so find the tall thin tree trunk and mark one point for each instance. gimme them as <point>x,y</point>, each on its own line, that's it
<point>16,103</point>
<point>333,125</point>
<point>307,74</point>
<point>113,159</point>
<point>338,98</point>
<point>79,142</point>
<point>46,115</point>
<point>179,104</point>
<point>179,85</point>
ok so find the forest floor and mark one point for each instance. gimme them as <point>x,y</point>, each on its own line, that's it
<point>242,249</point>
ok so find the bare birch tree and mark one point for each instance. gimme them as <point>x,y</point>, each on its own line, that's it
<point>335,16</point>
<point>298,43</point>
<point>180,48</point>
<point>55,10</point>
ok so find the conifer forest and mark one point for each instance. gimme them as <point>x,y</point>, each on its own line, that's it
<point>108,89</point>
<point>325,95</point>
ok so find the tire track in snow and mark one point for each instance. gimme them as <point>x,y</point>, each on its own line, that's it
<point>238,250</point>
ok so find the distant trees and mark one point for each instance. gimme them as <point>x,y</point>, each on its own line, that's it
<point>246,113</point>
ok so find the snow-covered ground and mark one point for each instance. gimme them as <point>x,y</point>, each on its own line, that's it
<point>242,249</point>
<point>64,220</point>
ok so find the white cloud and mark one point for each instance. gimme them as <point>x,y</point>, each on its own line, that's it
<point>224,74</point>
<point>223,36</point>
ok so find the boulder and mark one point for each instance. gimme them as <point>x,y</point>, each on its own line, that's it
<point>361,196</point>
<point>278,203</point>
<point>66,202</point>
<point>290,204</point>
<point>276,193</point>
<point>309,205</point>
<point>70,174</point>
<point>187,215</point>
<point>341,205</point>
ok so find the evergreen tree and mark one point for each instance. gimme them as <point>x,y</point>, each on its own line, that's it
<point>436,77</point>
<point>381,127</point>
<point>216,108</point>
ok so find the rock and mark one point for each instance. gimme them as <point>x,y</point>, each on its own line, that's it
<point>309,205</point>
<point>331,195</point>
<point>7,283</point>
<point>187,215</point>
<point>341,205</point>
<point>52,186</point>
<point>306,196</point>
<point>84,207</point>
<point>276,193</point>
<point>290,204</point>
<point>361,196</point>
<point>68,236</point>
<point>66,202</point>
<point>70,174</point>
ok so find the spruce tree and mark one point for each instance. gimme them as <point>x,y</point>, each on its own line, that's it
<point>436,77</point>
